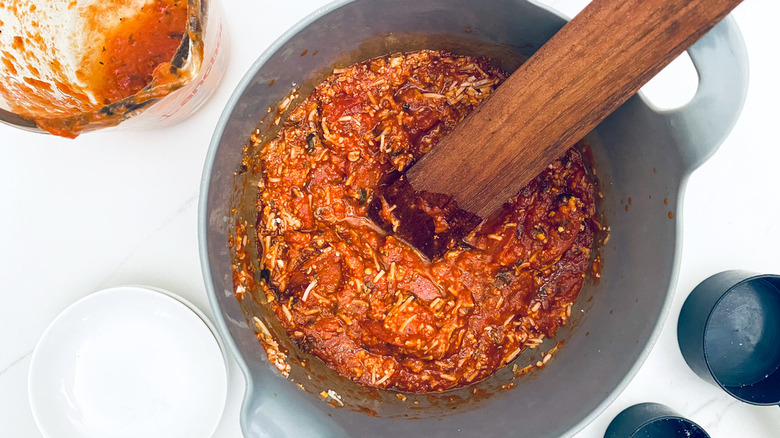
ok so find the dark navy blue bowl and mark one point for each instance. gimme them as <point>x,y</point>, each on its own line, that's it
<point>729,333</point>
<point>652,420</point>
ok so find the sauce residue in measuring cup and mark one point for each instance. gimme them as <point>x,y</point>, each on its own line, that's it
<point>140,47</point>
<point>66,71</point>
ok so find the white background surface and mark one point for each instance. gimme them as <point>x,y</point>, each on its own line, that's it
<point>120,207</point>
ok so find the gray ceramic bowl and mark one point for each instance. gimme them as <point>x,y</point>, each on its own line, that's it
<point>643,158</point>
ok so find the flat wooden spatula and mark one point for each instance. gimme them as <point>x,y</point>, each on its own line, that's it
<point>589,68</point>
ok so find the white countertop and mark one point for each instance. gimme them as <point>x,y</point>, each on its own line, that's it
<point>115,208</point>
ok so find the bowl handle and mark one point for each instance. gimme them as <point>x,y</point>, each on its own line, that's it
<point>721,61</point>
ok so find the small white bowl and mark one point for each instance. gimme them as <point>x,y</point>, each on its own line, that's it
<point>128,361</point>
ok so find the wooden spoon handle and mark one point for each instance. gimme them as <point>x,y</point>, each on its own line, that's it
<point>588,69</point>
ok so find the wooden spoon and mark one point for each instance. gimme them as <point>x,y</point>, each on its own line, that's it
<point>588,69</point>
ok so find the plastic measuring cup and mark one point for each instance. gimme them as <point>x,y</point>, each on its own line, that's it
<point>51,53</point>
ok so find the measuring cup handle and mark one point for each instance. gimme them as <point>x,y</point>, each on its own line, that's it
<point>721,61</point>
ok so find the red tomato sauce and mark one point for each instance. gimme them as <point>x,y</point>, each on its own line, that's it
<point>133,53</point>
<point>138,46</point>
<point>365,302</point>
